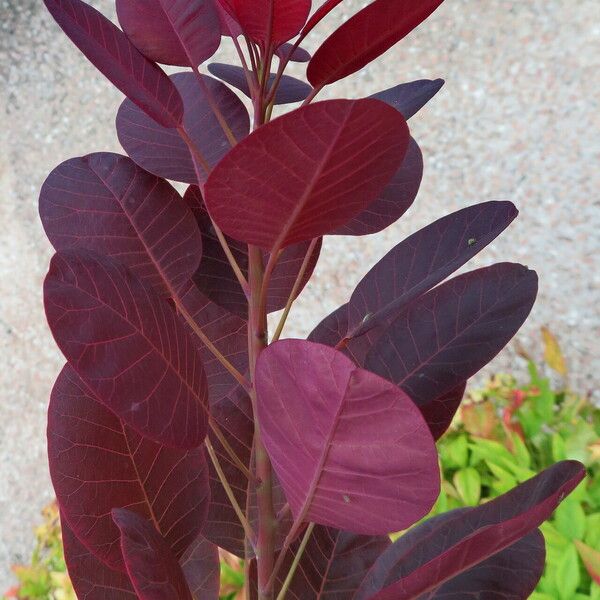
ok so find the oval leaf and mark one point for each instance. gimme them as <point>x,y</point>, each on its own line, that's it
<point>202,569</point>
<point>443,547</point>
<point>331,429</point>
<point>109,50</point>
<point>289,88</point>
<point>292,53</point>
<point>128,346</point>
<point>410,98</point>
<point>365,36</point>
<point>152,567</point>
<point>163,152</point>
<point>183,33</point>
<point>340,154</point>
<point>97,463</point>
<point>106,203</point>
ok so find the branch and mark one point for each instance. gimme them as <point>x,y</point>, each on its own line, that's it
<point>297,558</point>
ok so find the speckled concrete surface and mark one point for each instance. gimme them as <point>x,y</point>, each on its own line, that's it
<point>518,119</point>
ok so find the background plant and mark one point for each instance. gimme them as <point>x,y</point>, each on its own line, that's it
<point>179,424</point>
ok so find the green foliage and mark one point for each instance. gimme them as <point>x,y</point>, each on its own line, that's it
<point>502,436</point>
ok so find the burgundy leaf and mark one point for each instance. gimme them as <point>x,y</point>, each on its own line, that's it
<point>366,36</point>
<point>108,48</point>
<point>106,203</point>
<point>293,53</point>
<point>339,155</point>
<point>163,152</point>
<point>216,279</point>
<point>439,412</point>
<point>332,329</point>
<point>509,575</point>
<point>410,98</point>
<point>331,430</point>
<point>442,548</point>
<point>319,15</point>
<point>202,569</point>
<point>92,579</point>
<point>289,89</point>
<point>446,336</point>
<point>128,346</point>
<point>97,463</point>
<point>183,33</point>
<point>229,26</point>
<point>271,21</point>
<point>395,199</point>
<point>423,260</point>
<point>152,567</point>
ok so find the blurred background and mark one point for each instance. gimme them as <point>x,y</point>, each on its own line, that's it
<point>518,119</point>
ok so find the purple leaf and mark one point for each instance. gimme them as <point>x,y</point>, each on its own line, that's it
<point>109,50</point>
<point>106,203</point>
<point>442,548</point>
<point>97,463</point>
<point>163,152</point>
<point>152,567</point>
<point>331,429</point>
<point>183,33</point>
<point>366,36</point>
<point>128,346</point>
<point>410,98</point>
<point>393,201</point>
<point>332,329</point>
<point>446,336</point>
<point>92,579</point>
<point>423,260</point>
<point>339,155</point>
<point>289,89</point>
<point>216,279</point>
<point>229,26</point>
<point>439,412</point>
<point>297,54</point>
<point>202,569</point>
<point>509,575</point>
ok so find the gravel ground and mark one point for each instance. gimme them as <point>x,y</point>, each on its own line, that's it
<point>518,119</point>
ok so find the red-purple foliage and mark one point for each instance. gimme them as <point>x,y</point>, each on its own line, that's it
<point>179,425</point>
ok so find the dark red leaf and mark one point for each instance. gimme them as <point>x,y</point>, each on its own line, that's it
<point>339,155</point>
<point>442,548</point>
<point>395,199</point>
<point>128,346</point>
<point>319,15</point>
<point>439,412</point>
<point>410,98</point>
<point>332,329</point>
<point>446,336</point>
<point>271,21</point>
<point>97,463</point>
<point>106,203</point>
<point>202,569</point>
<point>331,430</point>
<point>297,54</point>
<point>229,26</point>
<point>423,260</point>
<point>183,33</point>
<point>152,567</point>
<point>163,152</point>
<point>509,575</point>
<point>365,36</point>
<point>92,579</point>
<point>216,279</point>
<point>289,89</point>
<point>108,48</point>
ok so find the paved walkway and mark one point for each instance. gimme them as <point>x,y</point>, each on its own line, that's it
<point>518,119</point>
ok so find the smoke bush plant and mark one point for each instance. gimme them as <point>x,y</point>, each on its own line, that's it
<point>178,425</point>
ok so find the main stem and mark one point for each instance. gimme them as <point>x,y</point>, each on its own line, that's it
<point>257,342</point>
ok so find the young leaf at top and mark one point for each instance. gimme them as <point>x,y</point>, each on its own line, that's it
<point>152,567</point>
<point>163,152</point>
<point>91,578</point>
<point>289,89</point>
<point>339,155</point>
<point>202,569</point>
<point>216,279</point>
<point>443,547</point>
<point>366,36</point>
<point>129,347</point>
<point>410,98</point>
<point>446,336</point>
<point>332,429</point>
<point>271,22</point>
<point>111,52</point>
<point>319,15</point>
<point>104,202</point>
<point>183,33</point>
